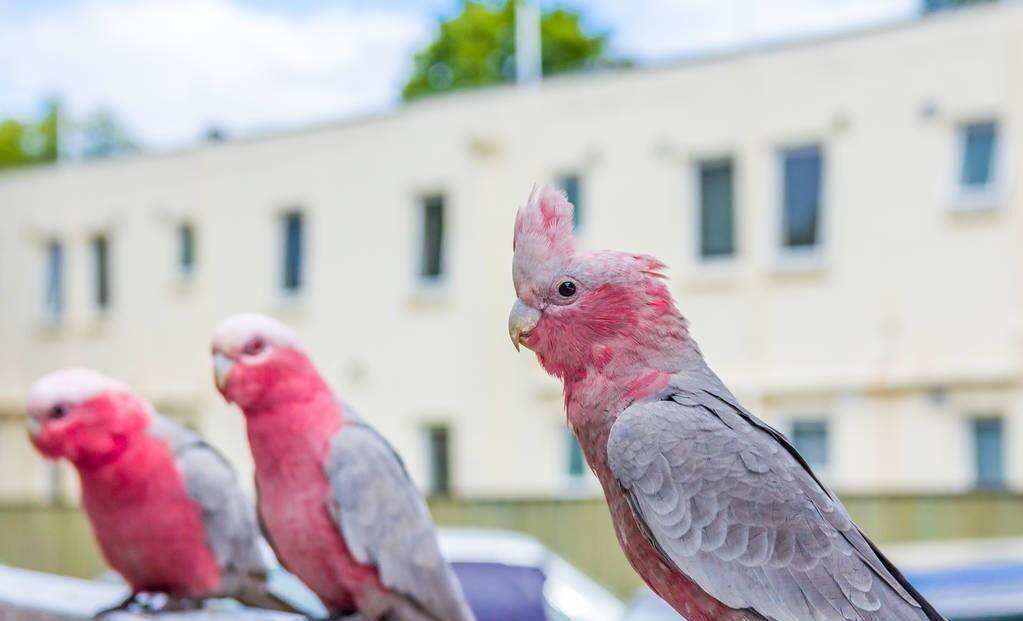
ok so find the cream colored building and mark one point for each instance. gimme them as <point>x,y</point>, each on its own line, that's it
<point>855,195</point>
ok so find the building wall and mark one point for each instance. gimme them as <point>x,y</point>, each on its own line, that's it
<point>908,323</point>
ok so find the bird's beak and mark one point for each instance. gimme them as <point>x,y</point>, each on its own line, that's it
<point>34,426</point>
<point>222,365</point>
<point>521,321</point>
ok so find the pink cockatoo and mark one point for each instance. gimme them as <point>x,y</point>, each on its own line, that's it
<point>166,508</point>
<point>713,508</point>
<point>335,500</point>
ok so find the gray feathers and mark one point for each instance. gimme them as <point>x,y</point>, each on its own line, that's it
<point>385,522</point>
<point>730,504</point>
<point>228,516</point>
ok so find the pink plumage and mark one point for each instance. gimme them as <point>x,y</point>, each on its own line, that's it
<point>337,505</point>
<point>713,508</point>
<point>166,510</point>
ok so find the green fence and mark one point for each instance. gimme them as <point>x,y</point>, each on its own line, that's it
<point>57,539</point>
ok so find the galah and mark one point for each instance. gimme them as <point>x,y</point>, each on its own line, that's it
<point>714,508</point>
<point>335,500</point>
<point>166,509</point>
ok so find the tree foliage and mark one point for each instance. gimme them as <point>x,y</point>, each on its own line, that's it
<point>477,48</point>
<point>25,144</point>
<point>43,140</point>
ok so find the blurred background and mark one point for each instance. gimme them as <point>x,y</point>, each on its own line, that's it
<point>832,183</point>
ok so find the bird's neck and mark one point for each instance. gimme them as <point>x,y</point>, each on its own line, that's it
<point>284,432</point>
<point>125,470</point>
<point>616,373</point>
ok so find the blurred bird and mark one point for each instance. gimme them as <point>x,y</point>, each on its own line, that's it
<point>714,508</point>
<point>166,508</point>
<point>336,502</point>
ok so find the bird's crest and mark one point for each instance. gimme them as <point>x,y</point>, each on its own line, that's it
<point>543,228</point>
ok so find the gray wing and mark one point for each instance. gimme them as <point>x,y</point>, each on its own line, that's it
<point>385,522</point>
<point>729,503</point>
<point>227,514</point>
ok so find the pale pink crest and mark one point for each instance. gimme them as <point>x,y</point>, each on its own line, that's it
<point>543,233</point>
<point>545,221</point>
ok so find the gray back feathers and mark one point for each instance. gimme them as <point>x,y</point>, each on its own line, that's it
<point>385,523</point>
<point>730,504</point>
<point>227,514</point>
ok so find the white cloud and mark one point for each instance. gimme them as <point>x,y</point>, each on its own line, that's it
<point>170,68</point>
<point>659,29</point>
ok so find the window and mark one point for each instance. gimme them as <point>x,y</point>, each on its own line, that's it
<point>53,300</point>
<point>717,219</point>
<point>988,453</point>
<point>978,155</point>
<point>438,460</point>
<point>573,191</point>
<point>810,438</point>
<point>575,464</point>
<point>186,249</point>
<point>802,169</point>
<point>431,263</point>
<point>292,224</point>
<point>100,246</point>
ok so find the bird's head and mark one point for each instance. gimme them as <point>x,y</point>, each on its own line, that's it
<point>84,416</point>
<point>579,310</point>
<point>258,361</point>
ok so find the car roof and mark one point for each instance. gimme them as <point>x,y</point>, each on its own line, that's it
<point>485,545</point>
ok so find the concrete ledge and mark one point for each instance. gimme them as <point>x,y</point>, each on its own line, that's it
<point>35,596</point>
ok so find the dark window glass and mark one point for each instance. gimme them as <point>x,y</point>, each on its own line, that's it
<point>438,440</point>
<point>293,232</point>
<point>432,262</point>
<point>101,271</point>
<point>576,463</point>
<point>186,248</point>
<point>803,168</point>
<point>979,140</point>
<point>811,440</point>
<point>988,444</point>
<point>717,219</point>
<point>54,296</point>
<point>572,186</point>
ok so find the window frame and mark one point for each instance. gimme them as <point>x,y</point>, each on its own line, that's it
<point>283,219</point>
<point>801,257</point>
<point>695,170</point>
<point>814,418</point>
<point>975,480</point>
<point>184,272</point>
<point>430,479</point>
<point>54,315</point>
<point>101,271</point>
<point>440,280</point>
<point>991,195</point>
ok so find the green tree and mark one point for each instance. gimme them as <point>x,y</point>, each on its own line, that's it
<point>104,136</point>
<point>477,48</point>
<point>26,144</point>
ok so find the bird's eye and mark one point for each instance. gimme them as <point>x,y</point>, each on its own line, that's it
<point>566,289</point>
<point>254,346</point>
<point>58,411</point>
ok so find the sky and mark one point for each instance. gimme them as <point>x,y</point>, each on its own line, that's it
<point>171,69</point>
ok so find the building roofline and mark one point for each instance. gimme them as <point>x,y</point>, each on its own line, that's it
<point>399,110</point>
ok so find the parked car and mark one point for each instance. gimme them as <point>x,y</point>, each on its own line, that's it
<point>509,576</point>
